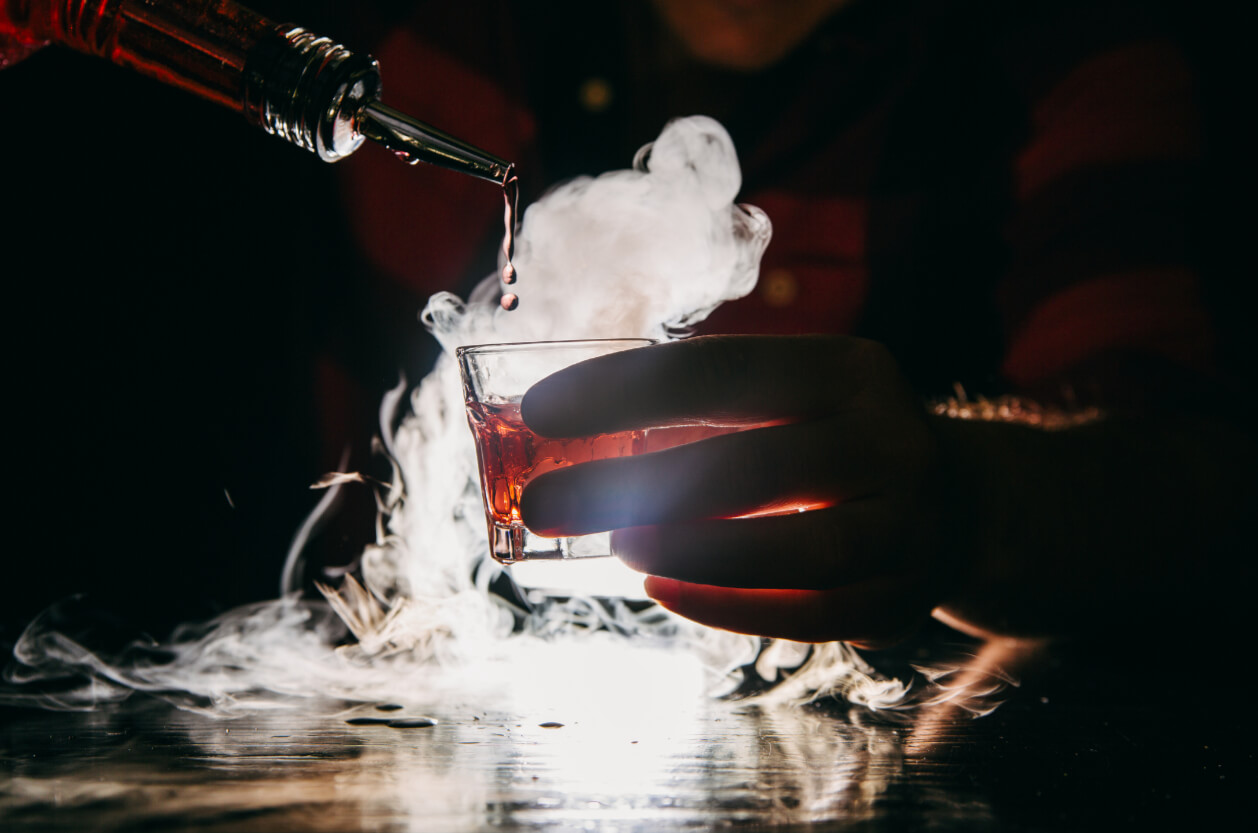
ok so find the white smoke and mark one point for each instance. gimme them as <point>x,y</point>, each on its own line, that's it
<point>646,252</point>
<point>634,253</point>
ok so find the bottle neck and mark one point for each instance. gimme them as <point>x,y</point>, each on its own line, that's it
<point>292,83</point>
<point>309,90</point>
<point>200,46</point>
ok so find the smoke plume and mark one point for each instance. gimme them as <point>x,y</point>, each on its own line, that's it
<point>645,252</point>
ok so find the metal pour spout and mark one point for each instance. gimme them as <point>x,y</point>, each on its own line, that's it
<point>404,135</point>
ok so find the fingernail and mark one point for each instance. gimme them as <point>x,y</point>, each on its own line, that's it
<point>636,546</point>
<point>665,591</point>
<point>541,512</point>
<point>542,411</point>
<point>532,406</point>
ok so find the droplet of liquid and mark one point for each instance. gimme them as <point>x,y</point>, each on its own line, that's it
<point>511,198</point>
<point>403,156</point>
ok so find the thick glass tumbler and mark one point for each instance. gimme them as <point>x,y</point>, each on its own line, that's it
<point>495,377</point>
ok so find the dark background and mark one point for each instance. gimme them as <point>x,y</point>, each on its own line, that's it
<point>173,276</point>
<point>171,272</point>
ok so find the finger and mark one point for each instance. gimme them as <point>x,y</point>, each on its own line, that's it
<point>764,469</point>
<point>778,468</point>
<point>718,379</point>
<point>877,611</point>
<point>803,550</point>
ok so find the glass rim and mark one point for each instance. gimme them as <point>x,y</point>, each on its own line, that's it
<point>520,346</point>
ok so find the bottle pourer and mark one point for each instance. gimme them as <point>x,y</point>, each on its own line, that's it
<point>415,141</point>
<point>317,94</point>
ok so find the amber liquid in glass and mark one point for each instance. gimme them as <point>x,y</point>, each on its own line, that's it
<point>510,455</point>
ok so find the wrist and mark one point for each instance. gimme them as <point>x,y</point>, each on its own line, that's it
<point>1007,514</point>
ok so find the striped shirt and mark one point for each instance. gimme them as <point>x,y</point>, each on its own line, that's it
<point>1004,194</point>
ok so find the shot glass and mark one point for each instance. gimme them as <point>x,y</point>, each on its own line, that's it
<point>495,377</point>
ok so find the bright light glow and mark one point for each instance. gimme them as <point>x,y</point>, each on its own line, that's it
<point>601,577</point>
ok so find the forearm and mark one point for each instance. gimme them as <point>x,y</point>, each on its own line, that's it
<point>1087,528</point>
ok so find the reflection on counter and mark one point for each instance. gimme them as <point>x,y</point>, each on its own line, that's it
<point>643,751</point>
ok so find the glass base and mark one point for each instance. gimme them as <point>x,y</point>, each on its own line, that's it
<point>513,543</point>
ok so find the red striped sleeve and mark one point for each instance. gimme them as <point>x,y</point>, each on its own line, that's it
<point>1102,260</point>
<point>1132,104</point>
<point>1155,313</point>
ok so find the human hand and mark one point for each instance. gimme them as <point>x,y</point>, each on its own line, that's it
<point>845,439</point>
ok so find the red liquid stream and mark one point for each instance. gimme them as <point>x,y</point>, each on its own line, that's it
<point>511,198</point>
<point>510,455</point>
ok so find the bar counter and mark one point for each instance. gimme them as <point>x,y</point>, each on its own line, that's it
<point>1082,743</point>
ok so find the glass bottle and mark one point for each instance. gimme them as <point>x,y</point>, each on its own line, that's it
<point>292,83</point>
